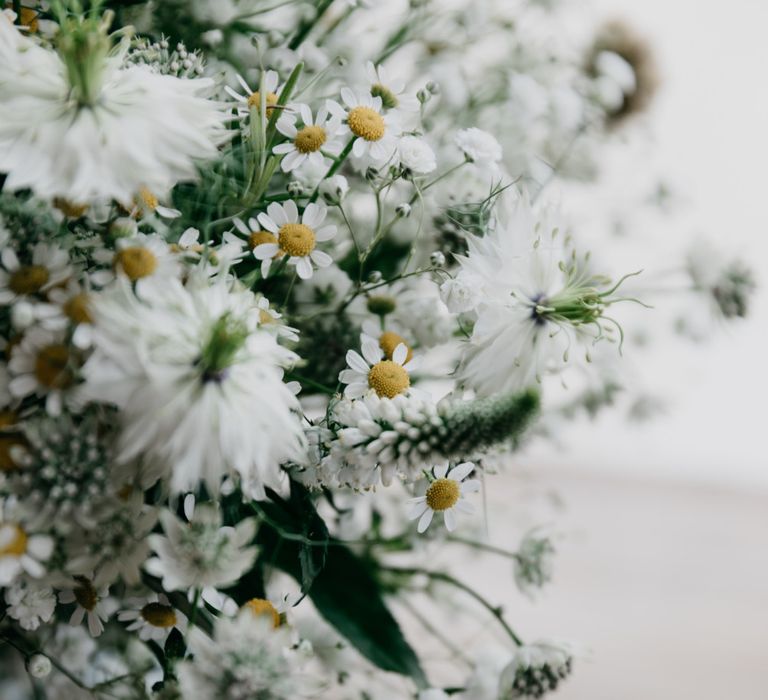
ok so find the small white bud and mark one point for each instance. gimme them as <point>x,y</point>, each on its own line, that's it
<point>38,665</point>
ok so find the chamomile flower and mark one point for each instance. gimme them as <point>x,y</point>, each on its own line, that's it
<point>305,143</point>
<point>153,618</point>
<point>143,256</point>
<point>364,120</point>
<point>49,266</point>
<point>387,340</point>
<point>90,604</point>
<point>391,90</point>
<point>43,365</point>
<point>294,236</point>
<point>251,99</point>
<point>21,551</point>
<point>445,494</point>
<point>146,204</point>
<point>372,371</point>
<point>81,124</point>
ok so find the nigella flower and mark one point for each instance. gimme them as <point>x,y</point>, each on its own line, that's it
<point>535,670</point>
<point>297,237</point>
<point>535,299</point>
<point>201,553</point>
<point>445,494</point>
<point>305,143</point>
<point>198,382</point>
<point>374,132</point>
<point>80,124</point>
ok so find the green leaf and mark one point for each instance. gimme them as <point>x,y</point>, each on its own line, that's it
<point>175,648</point>
<point>294,539</point>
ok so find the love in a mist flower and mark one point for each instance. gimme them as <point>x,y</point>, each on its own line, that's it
<point>153,618</point>
<point>297,237</point>
<point>445,494</point>
<point>81,124</point>
<point>363,119</point>
<point>305,143</point>
<point>48,267</point>
<point>371,371</point>
<point>90,604</point>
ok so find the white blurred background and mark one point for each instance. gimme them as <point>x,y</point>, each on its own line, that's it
<point>662,573</point>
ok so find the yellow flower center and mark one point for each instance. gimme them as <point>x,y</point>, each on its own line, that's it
<point>260,607</point>
<point>297,240</point>
<point>52,367</point>
<point>136,262</point>
<point>76,309</point>
<point>73,210</point>
<point>260,237</point>
<point>159,615</point>
<point>389,340</point>
<point>388,379</point>
<point>388,98</point>
<point>85,593</point>
<point>310,139</point>
<point>266,317</point>
<point>15,540</point>
<point>8,419</point>
<point>254,101</point>
<point>28,279</point>
<point>443,494</point>
<point>28,18</point>
<point>366,123</point>
<point>148,199</point>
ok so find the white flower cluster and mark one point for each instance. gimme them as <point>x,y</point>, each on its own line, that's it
<point>273,286</point>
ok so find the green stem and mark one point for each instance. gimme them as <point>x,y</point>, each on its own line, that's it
<point>451,581</point>
<point>482,546</point>
<point>334,167</point>
<point>306,26</point>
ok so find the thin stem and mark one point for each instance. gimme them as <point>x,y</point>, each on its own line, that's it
<point>306,26</point>
<point>195,607</point>
<point>451,581</point>
<point>482,546</point>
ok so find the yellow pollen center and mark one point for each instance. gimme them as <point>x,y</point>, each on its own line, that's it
<point>296,239</point>
<point>310,139</point>
<point>266,317</point>
<point>71,209</point>
<point>389,341</point>
<point>260,237</point>
<point>136,262</point>
<point>85,593</point>
<point>14,546</point>
<point>76,309</point>
<point>260,607</point>
<point>159,615</point>
<point>148,199</point>
<point>254,101</point>
<point>28,279</point>
<point>388,379</point>
<point>443,494</point>
<point>366,123</point>
<point>52,367</point>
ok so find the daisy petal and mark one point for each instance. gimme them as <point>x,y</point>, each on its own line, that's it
<point>425,520</point>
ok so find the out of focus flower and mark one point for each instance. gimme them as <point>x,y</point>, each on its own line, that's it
<point>535,670</point>
<point>479,147</point>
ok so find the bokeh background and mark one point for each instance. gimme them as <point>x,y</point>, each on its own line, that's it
<point>662,574</point>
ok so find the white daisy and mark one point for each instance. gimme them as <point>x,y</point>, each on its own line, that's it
<point>84,126</point>
<point>153,618</point>
<point>390,90</point>
<point>21,551</point>
<point>251,99</point>
<point>374,132</point>
<point>201,553</point>
<point>146,204</point>
<point>48,268</point>
<point>295,237</point>
<point>316,135</point>
<point>199,383</point>
<point>372,372</point>
<point>387,340</point>
<point>144,256</point>
<point>90,604</point>
<point>43,365</point>
<point>217,258</point>
<point>445,494</point>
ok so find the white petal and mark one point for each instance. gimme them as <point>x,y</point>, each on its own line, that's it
<point>265,251</point>
<point>278,214</point>
<point>325,233</point>
<point>450,520</point>
<point>291,211</point>
<point>417,510</point>
<point>304,268</point>
<point>441,470</point>
<point>268,223</point>
<point>356,362</point>
<point>320,258</point>
<point>371,351</point>
<point>461,471</point>
<point>471,486</point>
<point>400,353</point>
<point>425,520</point>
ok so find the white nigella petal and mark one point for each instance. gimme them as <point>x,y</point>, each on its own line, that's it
<point>445,494</point>
<point>294,236</point>
<point>103,130</point>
